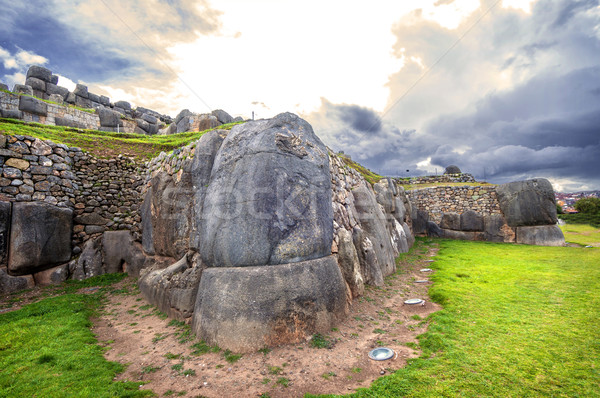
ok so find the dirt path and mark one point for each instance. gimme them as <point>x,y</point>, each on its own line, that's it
<point>159,351</point>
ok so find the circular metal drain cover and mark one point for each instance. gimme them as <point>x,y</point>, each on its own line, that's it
<point>422,281</point>
<point>425,270</point>
<point>413,301</point>
<point>381,354</point>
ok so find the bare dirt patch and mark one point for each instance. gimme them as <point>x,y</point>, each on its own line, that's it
<point>159,351</point>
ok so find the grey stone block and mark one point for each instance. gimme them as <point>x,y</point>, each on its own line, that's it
<point>11,114</point>
<point>54,89</point>
<point>245,309</point>
<point>81,91</point>
<point>36,84</point>
<point>109,118</point>
<point>10,284</point>
<point>527,203</point>
<point>40,72</point>
<point>3,86</point>
<point>470,220</point>
<point>40,237</point>
<point>104,100</point>
<point>5,218</point>
<point>222,116</point>
<point>540,235</point>
<point>82,102</point>
<point>22,89</point>
<point>33,105</point>
<point>53,79</point>
<point>450,221</point>
<point>94,97</point>
<point>123,104</point>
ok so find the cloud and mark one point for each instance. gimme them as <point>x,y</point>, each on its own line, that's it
<point>109,42</point>
<point>516,98</point>
<point>17,64</point>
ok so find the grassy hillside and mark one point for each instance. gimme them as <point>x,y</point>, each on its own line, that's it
<point>105,145</point>
<point>518,321</point>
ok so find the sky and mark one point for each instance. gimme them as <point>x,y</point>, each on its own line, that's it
<point>505,89</point>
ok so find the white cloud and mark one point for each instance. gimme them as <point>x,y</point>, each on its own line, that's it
<point>28,58</point>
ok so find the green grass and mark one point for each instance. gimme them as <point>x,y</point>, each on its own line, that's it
<point>582,218</point>
<point>105,144</point>
<point>523,324</point>
<point>581,234</point>
<point>48,350</point>
<point>368,175</point>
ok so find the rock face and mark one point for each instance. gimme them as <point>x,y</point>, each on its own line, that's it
<point>40,237</point>
<point>269,197</point>
<point>248,308</point>
<point>5,216</point>
<point>541,235</point>
<point>527,203</point>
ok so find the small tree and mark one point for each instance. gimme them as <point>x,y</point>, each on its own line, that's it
<point>588,205</point>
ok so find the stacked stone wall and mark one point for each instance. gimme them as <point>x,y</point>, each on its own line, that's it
<point>462,177</point>
<point>439,200</point>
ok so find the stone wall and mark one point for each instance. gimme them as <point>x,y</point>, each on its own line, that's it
<point>462,177</point>
<point>43,180</point>
<point>439,200</point>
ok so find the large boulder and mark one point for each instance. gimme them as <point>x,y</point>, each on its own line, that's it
<point>527,203</point>
<point>40,237</point>
<point>120,253</point>
<point>5,215</point>
<point>269,197</point>
<point>109,118</point>
<point>33,105</point>
<point>349,263</point>
<point>10,284</point>
<point>39,72</point>
<point>496,229</point>
<point>81,91</point>
<point>541,235</point>
<point>174,289</point>
<point>54,89</point>
<point>248,308</point>
<point>374,224</point>
<point>450,220</point>
<point>471,220</point>
<point>222,116</point>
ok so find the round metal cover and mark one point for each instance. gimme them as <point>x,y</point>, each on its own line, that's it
<point>422,281</point>
<point>425,270</point>
<point>429,261</point>
<point>381,354</point>
<point>413,301</point>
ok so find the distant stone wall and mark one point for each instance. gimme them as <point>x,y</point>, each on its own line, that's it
<point>462,177</point>
<point>439,200</point>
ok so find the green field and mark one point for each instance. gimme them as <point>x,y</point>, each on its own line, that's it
<point>48,350</point>
<point>518,321</point>
<point>581,234</point>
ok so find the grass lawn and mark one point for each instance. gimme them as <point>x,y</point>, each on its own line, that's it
<point>581,234</point>
<point>518,321</point>
<point>48,350</point>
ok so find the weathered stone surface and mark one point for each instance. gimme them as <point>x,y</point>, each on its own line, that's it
<point>269,197</point>
<point>433,230</point>
<point>52,276</point>
<point>20,164</point>
<point>109,118</point>
<point>10,284</point>
<point>22,89</point>
<point>81,91</point>
<point>104,100</point>
<point>496,229</point>
<point>206,122</point>
<point>349,263</point>
<point>470,220</point>
<point>450,221</point>
<point>33,105</point>
<point>54,89</point>
<point>91,219</point>
<point>369,263</point>
<point>527,203</point>
<point>452,169</point>
<point>117,249</point>
<point>373,222</point>
<point>11,113</point>
<point>222,116</point>
<point>174,289</point>
<point>56,98</point>
<point>420,219</point>
<point>5,217</point>
<point>149,118</point>
<point>94,97</point>
<point>90,261</point>
<point>40,237</point>
<point>61,121</point>
<point>540,235</point>
<point>182,114</point>
<point>36,83</point>
<point>461,235</point>
<point>245,309</point>
<point>3,86</point>
<point>39,72</point>
<point>142,124</point>
<point>123,105</point>
<point>40,148</point>
<point>82,102</point>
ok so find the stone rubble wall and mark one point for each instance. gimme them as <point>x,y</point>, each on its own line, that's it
<point>439,200</point>
<point>462,177</point>
<point>101,196</point>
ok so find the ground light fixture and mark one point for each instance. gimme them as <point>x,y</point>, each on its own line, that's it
<point>429,261</point>
<point>422,281</point>
<point>413,301</point>
<point>425,270</point>
<point>381,354</point>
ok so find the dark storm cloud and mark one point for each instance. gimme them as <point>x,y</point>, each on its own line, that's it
<point>102,41</point>
<point>359,118</point>
<point>516,98</point>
